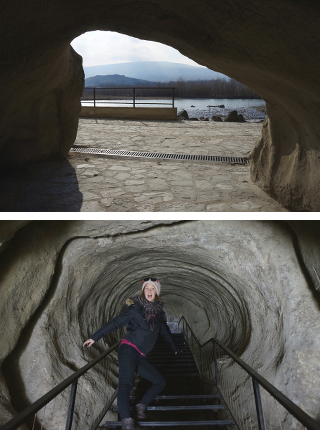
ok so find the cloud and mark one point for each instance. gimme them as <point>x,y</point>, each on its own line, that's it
<point>108,47</point>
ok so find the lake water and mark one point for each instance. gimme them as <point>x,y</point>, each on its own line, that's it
<point>184,103</point>
<point>201,106</point>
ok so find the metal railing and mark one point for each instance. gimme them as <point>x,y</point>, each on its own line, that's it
<point>252,401</point>
<point>237,383</point>
<point>31,411</point>
<point>99,95</point>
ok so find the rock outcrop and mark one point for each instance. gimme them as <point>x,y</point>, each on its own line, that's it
<point>253,285</point>
<point>272,47</point>
<point>216,118</point>
<point>233,116</point>
<point>183,114</point>
<point>40,106</point>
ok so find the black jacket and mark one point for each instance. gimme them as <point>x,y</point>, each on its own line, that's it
<point>138,331</point>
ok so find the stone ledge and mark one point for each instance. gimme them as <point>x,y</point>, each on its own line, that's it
<point>164,114</point>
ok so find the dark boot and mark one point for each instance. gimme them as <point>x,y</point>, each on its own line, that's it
<point>141,409</point>
<point>127,424</point>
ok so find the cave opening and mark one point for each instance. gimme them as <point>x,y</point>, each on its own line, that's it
<point>112,59</point>
<point>271,49</point>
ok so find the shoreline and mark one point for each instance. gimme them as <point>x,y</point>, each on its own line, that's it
<point>170,98</point>
<point>250,114</point>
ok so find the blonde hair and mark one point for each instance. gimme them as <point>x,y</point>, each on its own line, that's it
<point>157,298</point>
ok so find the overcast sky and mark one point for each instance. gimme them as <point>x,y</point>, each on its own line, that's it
<point>108,47</point>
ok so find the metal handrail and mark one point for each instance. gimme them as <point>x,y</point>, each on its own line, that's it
<point>291,407</point>
<point>19,419</point>
<point>134,102</point>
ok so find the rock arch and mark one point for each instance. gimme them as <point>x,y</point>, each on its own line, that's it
<point>272,47</point>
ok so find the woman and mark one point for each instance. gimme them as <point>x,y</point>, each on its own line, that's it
<point>145,319</point>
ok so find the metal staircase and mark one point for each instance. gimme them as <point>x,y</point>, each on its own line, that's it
<point>185,401</point>
<point>208,386</point>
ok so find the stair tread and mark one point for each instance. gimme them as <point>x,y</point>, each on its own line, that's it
<point>181,408</point>
<point>173,423</point>
<point>170,354</point>
<point>164,374</point>
<point>184,396</point>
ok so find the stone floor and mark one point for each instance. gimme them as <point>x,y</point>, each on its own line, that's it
<point>91,183</point>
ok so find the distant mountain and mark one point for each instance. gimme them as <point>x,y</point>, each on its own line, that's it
<point>159,71</point>
<point>104,81</point>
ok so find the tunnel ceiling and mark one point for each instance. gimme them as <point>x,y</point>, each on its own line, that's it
<point>247,283</point>
<point>272,47</point>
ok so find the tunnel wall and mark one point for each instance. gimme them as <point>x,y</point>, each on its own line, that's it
<point>272,47</point>
<point>244,282</point>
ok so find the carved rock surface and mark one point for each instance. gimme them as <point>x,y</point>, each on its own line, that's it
<point>250,284</point>
<point>270,46</point>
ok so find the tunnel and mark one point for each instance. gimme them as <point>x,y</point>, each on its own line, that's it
<point>270,47</point>
<point>253,285</point>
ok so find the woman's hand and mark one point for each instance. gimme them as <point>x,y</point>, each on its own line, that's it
<point>88,343</point>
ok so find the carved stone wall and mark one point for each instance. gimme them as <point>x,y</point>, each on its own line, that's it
<point>253,285</point>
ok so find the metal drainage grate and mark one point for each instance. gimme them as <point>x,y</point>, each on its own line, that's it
<point>111,153</point>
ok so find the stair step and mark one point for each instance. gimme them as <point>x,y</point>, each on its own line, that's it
<point>180,408</point>
<point>170,351</point>
<point>168,362</point>
<point>183,396</point>
<point>185,354</point>
<point>177,376</point>
<point>173,363</point>
<point>176,368</point>
<point>176,341</point>
<point>175,357</point>
<point>167,345</point>
<point>173,423</point>
<point>170,354</point>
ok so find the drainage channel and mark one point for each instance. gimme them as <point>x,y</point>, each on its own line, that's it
<point>129,155</point>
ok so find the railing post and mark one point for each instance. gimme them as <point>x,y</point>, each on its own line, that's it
<point>215,363</point>
<point>94,97</point>
<point>134,97</point>
<point>257,398</point>
<point>71,404</point>
<point>173,97</point>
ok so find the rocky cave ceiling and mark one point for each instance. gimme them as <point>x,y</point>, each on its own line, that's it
<point>252,284</point>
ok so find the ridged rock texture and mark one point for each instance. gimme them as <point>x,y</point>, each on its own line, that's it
<point>272,47</point>
<point>252,284</point>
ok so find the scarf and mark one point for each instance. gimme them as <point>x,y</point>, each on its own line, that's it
<point>151,309</point>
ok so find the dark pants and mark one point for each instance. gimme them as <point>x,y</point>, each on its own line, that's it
<point>130,361</point>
